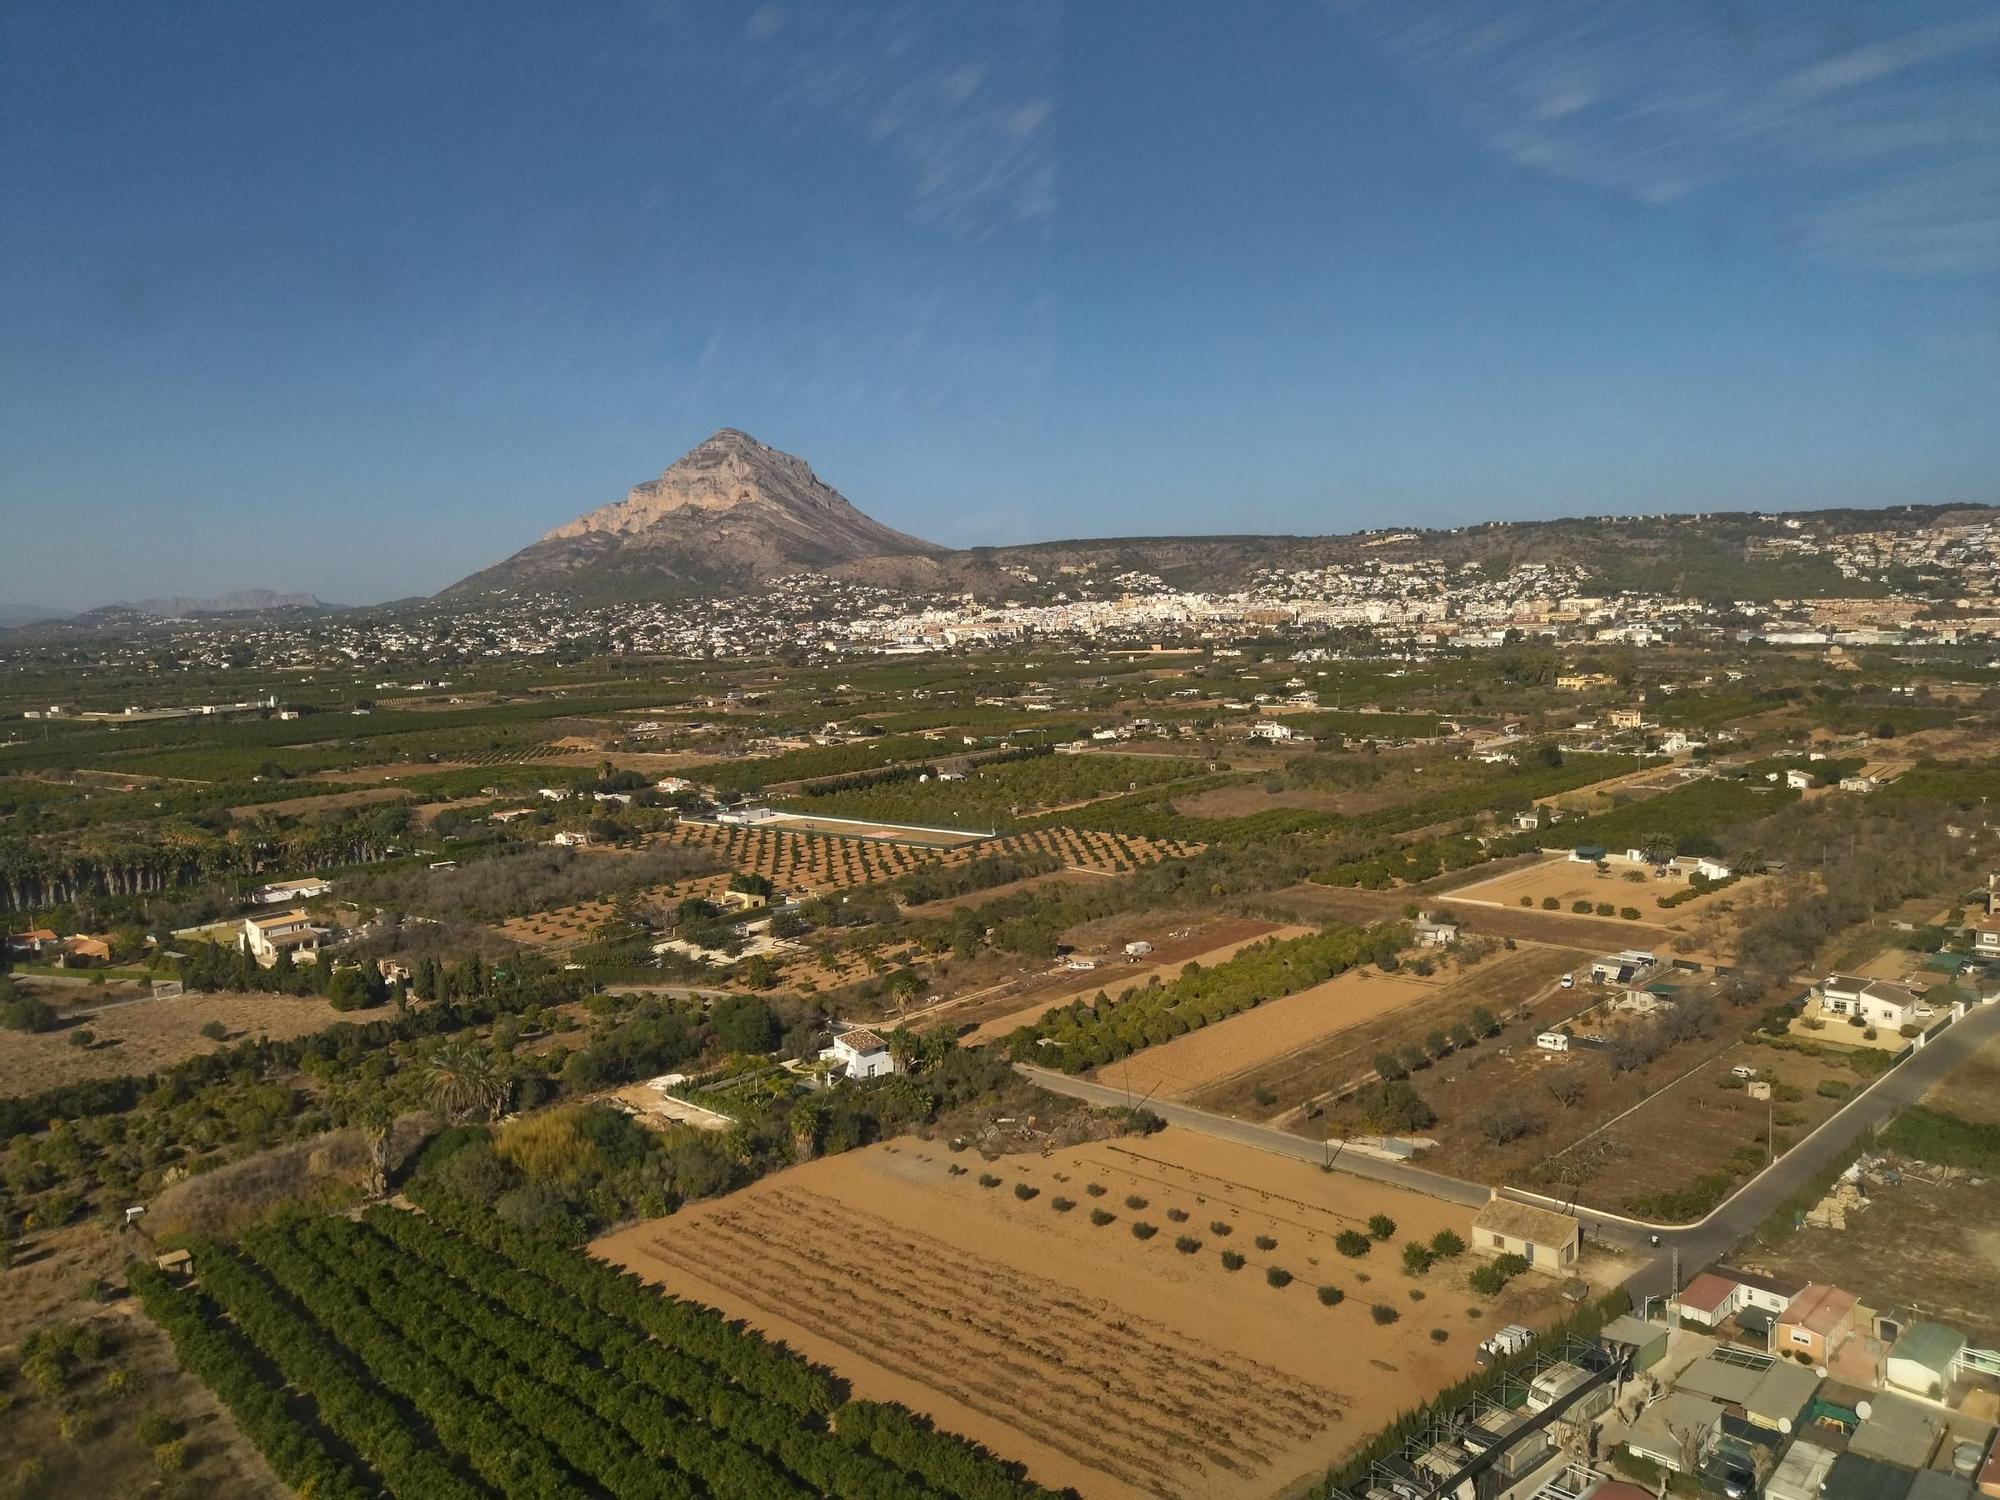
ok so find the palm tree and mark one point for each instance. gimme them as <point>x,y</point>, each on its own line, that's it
<point>463,1081</point>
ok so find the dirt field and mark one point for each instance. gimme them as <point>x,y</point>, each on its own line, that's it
<point>1315,1070</point>
<point>1568,882</point>
<point>1972,1089</point>
<point>107,1458</point>
<point>330,802</point>
<point>1948,1276</point>
<point>151,1034</point>
<point>1120,1366</point>
<point>1273,1031</point>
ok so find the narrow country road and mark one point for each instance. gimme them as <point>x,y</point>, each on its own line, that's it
<point>1264,1138</point>
<point>1699,1244</point>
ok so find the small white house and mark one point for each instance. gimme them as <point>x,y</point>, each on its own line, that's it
<point>1875,1001</point>
<point>283,932</point>
<point>1799,781</point>
<point>1428,932</point>
<point>1271,731</point>
<point>859,1053</point>
<point>284,892</point>
<point>570,840</point>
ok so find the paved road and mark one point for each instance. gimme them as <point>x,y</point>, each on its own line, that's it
<point>1902,1086</point>
<point>1263,1138</point>
<point>1699,1244</point>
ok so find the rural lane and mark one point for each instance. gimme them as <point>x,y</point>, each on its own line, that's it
<point>1263,1138</point>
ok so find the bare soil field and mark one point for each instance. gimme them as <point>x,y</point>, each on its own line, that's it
<point>329,802</point>
<point>570,926</point>
<point>1689,1125</point>
<point>1309,1075</point>
<point>1930,1246</point>
<point>1276,1030</point>
<point>107,1458</point>
<point>151,1034</point>
<point>1972,1089</point>
<point>1118,1365</point>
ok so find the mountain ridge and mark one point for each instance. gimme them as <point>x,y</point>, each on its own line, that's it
<point>729,510</point>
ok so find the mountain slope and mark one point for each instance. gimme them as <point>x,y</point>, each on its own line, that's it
<point>731,510</point>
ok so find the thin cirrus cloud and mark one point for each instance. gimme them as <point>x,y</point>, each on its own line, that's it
<point>970,125</point>
<point>1869,133</point>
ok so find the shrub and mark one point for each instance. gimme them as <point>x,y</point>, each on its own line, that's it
<point>1352,1243</point>
<point>1381,1226</point>
<point>1178,1215</point>
<point>1222,1228</point>
<point>1277,1276</point>
<point>1265,1242</point>
<point>1141,1230</point>
<point>1527,900</point>
<point>1134,1202</point>
<point>1331,1296</point>
<point>156,1427</point>
<point>215,1031</point>
<point>1095,1189</point>
<point>1026,1190</point>
<point>1834,1088</point>
<point>1062,1205</point>
<point>1439,1335</point>
<point>171,1457</point>
<point>1187,1244</point>
<point>1101,1217</point>
<point>1232,1260</point>
<point>1382,1312</point>
<point>1416,1258</point>
<point>1581,908</point>
<point>1629,913</point>
<point>988,1180</point>
<point>1446,1243</point>
<point>1264,1095</point>
<point>1487,1280</point>
<point>1549,903</point>
<point>1605,909</point>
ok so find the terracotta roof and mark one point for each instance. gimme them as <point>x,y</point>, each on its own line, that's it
<point>1523,1221</point>
<point>1818,1308</point>
<point>1706,1292</point>
<point>860,1039</point>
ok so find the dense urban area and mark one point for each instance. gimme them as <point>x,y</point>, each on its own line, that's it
<point>1505,1013</point>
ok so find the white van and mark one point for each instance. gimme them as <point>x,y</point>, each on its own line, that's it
<point>1569,981</point>
<point>1553,1041</point>
<point>1740,1071</point>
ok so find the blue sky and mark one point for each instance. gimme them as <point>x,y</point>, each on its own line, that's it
<point>358,298</point>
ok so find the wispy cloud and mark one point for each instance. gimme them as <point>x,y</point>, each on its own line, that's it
<point>970,118</point>
<point>1870,133</point>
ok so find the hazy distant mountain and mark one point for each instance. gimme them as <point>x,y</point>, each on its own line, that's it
<point>729,511</point>
<point>13,615</point>
<point>237,601</point>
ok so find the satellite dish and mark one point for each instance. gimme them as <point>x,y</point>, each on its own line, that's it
<point>1864,1410</point>
<point>1784,1424</point>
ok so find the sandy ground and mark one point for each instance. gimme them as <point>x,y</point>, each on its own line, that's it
<point>1568,881</point>
<point>150,1034</point>
<point>1274,1030</point>
<point>329,802</point>
<point>1120,1366</point>
<point>1116,976</point>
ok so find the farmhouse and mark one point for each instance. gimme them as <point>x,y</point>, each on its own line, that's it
<point>1986,937</point>
<point>1547,1240</point>
<point>40,939</point>
<point>283,932</point>
<point>1709,1299</point>
<point>570,839</point>
<point>1621,967</point>
<point>285,892</point>
<point>1626,718</point>
<point>1428,932</point>
<point>859,1053</point>
<point>1271,730</point>
<point>1876,1002</point>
